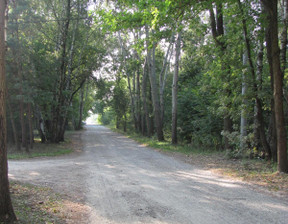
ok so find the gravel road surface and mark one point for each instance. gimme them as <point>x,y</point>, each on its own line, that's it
<point>122,181</point>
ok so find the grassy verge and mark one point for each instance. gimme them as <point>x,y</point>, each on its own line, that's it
<point>33,204</point>
<point>36,204</point>
<point>47,149</point>
<point>256,171</point>
<point>165,145</point>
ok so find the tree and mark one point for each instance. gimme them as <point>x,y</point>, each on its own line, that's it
<point>6,209</point>
<point>175,89</point>
<point>217,27</point>
<point>273,52</point>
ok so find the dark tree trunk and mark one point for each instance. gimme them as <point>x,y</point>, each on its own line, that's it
<point>256,88</point>
<point>175,90</point>
<point>217,27</point>
<point>81,106</point>
<point>30,122</point>
<point>272,43</point>
<point>14,129</point>
<point>6,210</point>
<point>228,123</point>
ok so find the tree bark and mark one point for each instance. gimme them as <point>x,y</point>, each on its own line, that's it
<point>6,210</point>
<point>163,76</point>
<point>14,129</point>
<point>283,36</point>
<point>154,89</point>
<point>145,115</point>
<point>31,136</point>
<point>81,105</point>
<point>258,103</point>
<point>275,64</point>
<point>217,27</point>
<point>175,90</point>
<point>243,120</point>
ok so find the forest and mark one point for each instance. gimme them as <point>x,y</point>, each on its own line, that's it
<point>208,73</point>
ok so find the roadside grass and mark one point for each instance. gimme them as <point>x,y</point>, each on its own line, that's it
<point>41,150</point>
<point>165,145</point>
<point>45,150</point>
<point>36,204</point>
<point>256,171</point>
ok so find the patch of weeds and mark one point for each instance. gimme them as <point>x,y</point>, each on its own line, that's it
<point>33,154</point>
<point>36,204</point>
<point>72,143</point>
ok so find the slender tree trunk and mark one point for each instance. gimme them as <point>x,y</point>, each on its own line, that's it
<point>125,123</point>
<point>40,125</point>
<point>22,112</point>
<point>6,210</point>
<point>145,115</point>
<point>81,107</point>
<point>23,126</point>
<point>272,123</point>
<point>272,42</point>
<point>217,27</point>
<point>31,137</point>
<point>154,89</point>
<point>163,76</point>
<point>14,129</point>
<point>259,73</point>
<point>175,90</point>
<point>138,104</point>
<point>243,122</point>
<point>283,36</point>
<point>59,98</point>
<point>259,114</point>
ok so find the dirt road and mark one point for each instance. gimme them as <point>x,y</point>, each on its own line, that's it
<point>124,182</point>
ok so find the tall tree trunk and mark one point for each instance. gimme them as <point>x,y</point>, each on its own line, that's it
<point>127,72</point>
<point>243,121</point>
<point>6,210</point>
<point>217,27</point>
<point>40,125</point>
<point>259,73</point>
<point>138,104</point>
<point>22,112</point>
<point>175,90</point>
<point>163,76</point>
<point>272,42</point>
<point>145,115</point>
<point>258,103</point>
<point>30,115</point>
<point>154,89</point>
<point>81,105</point>
<point>59,98</point>
<point>14,129</point>
<point>283,36</point>
<point>272,123</point>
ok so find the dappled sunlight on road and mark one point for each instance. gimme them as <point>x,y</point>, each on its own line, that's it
<point>121,181</point>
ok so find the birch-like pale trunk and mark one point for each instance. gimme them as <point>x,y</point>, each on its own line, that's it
<point>164,73</point>
<point>145,114</point>
<point>150,48</point>
<point>243,120</point>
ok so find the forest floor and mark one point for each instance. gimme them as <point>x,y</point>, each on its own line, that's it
<point>43,191</point>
